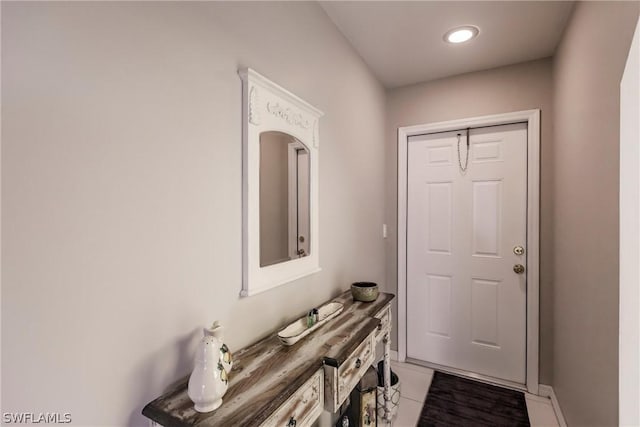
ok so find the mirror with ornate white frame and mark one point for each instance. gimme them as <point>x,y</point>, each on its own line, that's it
<point>279,185</point>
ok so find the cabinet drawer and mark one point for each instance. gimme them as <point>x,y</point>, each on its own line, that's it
<point>385,322</point>
<point>303,407</point>
<point>340,379</point>
<point>350,372</point>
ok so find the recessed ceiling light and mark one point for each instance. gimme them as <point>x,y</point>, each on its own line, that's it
<point>461,34</point>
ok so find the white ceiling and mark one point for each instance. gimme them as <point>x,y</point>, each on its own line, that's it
<point>402,41</point>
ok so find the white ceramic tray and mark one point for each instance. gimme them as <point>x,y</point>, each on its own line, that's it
<point>299,329</point>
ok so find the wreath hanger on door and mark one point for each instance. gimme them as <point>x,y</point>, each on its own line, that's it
<point>466,161</point>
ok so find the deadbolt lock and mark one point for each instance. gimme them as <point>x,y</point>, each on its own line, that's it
<point>518,268</point>
<point>518,250</point>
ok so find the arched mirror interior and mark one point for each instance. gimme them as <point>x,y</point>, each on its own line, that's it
<point>284,198</point>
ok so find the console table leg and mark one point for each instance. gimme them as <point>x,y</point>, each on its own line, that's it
<point>387,377</point>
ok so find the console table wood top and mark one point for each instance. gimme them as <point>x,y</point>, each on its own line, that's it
<point>266,373</point>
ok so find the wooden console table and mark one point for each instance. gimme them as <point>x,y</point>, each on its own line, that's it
<point>275,385</point>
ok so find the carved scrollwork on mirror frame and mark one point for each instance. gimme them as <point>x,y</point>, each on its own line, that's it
<point>280,185</point>
<point>254,114</point>
<point>291,117</point>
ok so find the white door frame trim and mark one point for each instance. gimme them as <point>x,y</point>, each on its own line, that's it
<point>532,118</point>
<point>629,299</point>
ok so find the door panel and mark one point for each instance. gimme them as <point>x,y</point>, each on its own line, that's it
<point>439,295</point>
<point>439,202</point>
<point>484,312</point>
<point>487,203</point>
<point>466,307</point>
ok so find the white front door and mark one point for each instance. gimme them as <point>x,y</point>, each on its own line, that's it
<point>466,306</point>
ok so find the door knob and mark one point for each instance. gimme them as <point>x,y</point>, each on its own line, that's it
<point>518,250</point>
<point>518,268</point>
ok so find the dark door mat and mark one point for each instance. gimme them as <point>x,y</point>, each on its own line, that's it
<point>455,401</point>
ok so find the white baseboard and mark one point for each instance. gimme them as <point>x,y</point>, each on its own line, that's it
<point>394,355</point>
<point>547,391</point>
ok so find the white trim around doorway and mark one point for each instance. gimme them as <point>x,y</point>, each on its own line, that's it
<point>532,118</point>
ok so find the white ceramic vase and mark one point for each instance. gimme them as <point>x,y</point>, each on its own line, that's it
<point>210,377</point>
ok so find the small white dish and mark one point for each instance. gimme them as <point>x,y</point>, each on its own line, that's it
<point>297,330</point>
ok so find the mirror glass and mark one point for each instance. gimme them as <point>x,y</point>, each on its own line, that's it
<point>284,198</point>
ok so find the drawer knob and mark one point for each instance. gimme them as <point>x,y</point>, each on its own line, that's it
<point>292,422</point>
<point>358,363</point>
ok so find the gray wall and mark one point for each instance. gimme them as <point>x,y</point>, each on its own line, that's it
<point>587,70</point>
<point>121,190</point>
<point>518,87</point>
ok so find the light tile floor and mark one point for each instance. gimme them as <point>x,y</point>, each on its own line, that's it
<point>415,381</point>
